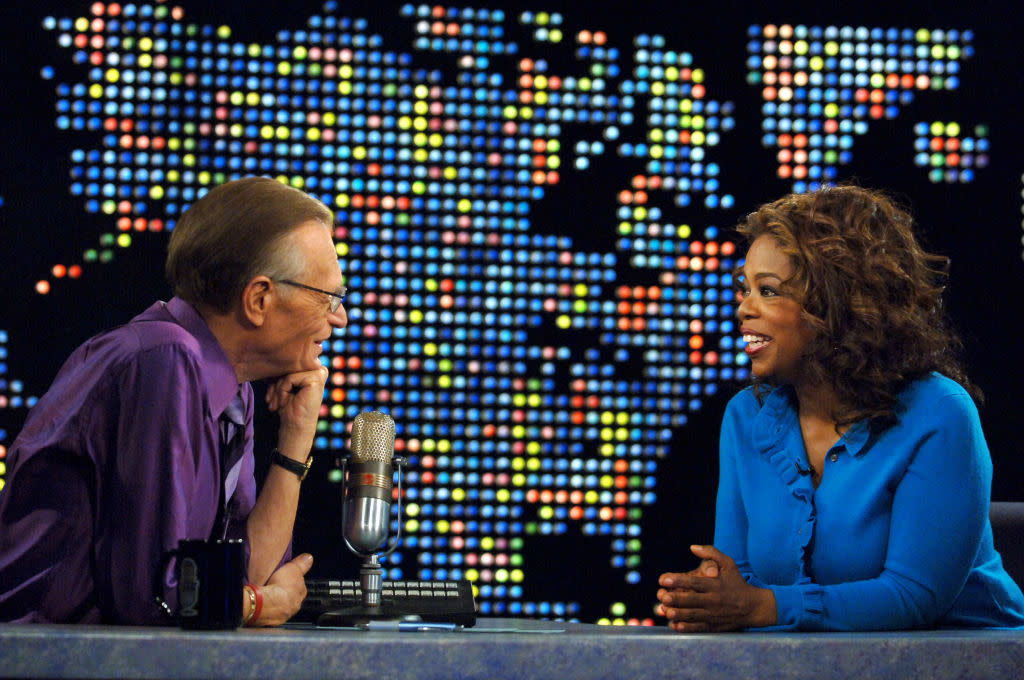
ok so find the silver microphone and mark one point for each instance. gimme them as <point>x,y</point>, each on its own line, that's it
<point>368,497</point>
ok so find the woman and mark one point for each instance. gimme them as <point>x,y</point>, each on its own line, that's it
<point>855,478</point>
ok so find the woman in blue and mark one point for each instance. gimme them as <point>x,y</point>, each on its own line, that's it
<point>855,477</point>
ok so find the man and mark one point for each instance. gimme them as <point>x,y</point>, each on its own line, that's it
<point>132,449</point>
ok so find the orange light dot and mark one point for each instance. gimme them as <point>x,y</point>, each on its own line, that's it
<point>42,287</point>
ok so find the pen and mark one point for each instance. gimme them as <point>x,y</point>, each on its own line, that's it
<point>409,626</point>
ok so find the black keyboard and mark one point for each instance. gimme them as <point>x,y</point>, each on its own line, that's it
<point>431,601</point>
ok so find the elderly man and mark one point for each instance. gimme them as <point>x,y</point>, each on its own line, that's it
<point>145,437</point>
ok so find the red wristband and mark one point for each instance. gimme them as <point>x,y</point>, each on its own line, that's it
<point>258,609</point>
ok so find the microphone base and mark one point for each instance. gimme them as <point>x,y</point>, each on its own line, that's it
<point>354,616</point>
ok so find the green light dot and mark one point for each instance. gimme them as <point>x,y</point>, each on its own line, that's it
<point>618,609</point>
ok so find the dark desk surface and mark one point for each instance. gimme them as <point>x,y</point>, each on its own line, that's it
<point>492,651</point>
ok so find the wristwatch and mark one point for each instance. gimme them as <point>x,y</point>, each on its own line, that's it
<point>300,469</point>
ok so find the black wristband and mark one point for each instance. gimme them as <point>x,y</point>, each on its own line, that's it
<point>300,469</point>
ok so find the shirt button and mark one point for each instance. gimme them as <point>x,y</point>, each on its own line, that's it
<point>834,457</point>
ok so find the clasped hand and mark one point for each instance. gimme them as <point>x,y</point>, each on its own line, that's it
<point>713,597</point>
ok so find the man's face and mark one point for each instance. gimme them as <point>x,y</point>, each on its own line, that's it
<point>301,320</point>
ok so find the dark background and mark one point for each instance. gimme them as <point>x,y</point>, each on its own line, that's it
<point>978,224</point>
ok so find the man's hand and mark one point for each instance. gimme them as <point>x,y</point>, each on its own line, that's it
<point>284,592</point>
<point>296,398</point>
<point>713,597</point>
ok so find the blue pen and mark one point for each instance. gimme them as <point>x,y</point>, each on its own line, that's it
<point>409,626</point>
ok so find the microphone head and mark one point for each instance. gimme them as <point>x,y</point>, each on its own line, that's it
<point>373,438</point>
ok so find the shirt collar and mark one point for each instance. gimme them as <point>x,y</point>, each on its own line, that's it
<point>778,417</point>
<point>218,374</point>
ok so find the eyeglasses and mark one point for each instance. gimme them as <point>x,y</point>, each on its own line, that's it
<point>336,297</point>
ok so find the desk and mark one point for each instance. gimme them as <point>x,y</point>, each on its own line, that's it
<point>578,651</point>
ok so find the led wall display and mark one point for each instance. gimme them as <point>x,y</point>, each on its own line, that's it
<point>539,372</point>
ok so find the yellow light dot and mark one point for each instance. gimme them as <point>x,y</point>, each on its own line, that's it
<point>518,463</point>
<point>563,322</point>
<point>503,495</point>
<point>458,495</point>
<point>487,543</point>
<point>412,509</point>
<point>223,32</point>
<point>156,192</point>
<point>411,526</point>
<point>124,240</point>
<point>518,479</point>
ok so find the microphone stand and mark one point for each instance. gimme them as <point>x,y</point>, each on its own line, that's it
<point>370,574</point>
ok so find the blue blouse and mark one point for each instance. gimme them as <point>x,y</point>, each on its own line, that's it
<point>897,534</point>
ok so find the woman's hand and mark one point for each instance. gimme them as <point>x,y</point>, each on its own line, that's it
<point>714,597</point>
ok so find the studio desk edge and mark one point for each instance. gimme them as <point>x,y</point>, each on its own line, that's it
<point>541,650</point>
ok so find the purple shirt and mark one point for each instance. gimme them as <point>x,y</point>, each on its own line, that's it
<point>117,462</point>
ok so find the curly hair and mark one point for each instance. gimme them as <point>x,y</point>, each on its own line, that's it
<point>871,293</point>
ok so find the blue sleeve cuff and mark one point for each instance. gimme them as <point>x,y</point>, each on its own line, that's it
<point>799,607</point>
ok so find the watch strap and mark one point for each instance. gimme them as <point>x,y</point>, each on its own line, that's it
<point>300,469</point>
